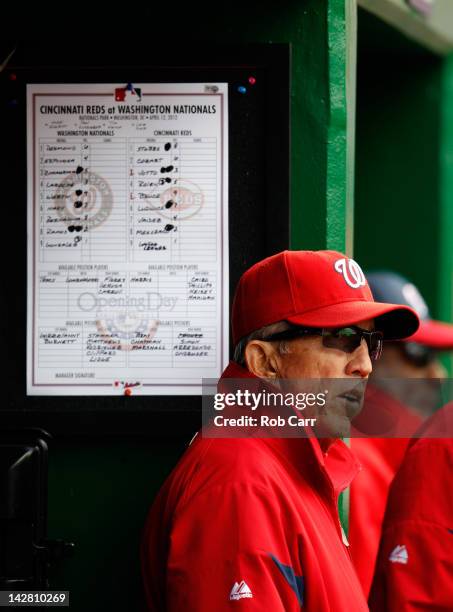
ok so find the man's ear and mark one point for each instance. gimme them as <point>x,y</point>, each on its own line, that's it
<point>261,359</point>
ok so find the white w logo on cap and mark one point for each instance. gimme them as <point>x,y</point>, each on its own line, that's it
<point>351,271</point>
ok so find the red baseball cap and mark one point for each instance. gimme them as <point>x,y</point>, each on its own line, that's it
<point>316,289</point>
<point>435,334</point>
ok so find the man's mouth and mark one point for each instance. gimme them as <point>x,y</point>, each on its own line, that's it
<point>353,398</point>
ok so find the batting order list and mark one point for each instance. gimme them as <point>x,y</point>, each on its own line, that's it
<point>128,237</point>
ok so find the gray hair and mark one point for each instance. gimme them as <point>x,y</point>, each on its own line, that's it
<point>259,334</point>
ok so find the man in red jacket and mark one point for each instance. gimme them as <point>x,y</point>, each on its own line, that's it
<point>414,570</point>
<point>252,522</point>
<point>403,391</point>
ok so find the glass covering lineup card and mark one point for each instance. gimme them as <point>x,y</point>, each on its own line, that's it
<point>127,237</point>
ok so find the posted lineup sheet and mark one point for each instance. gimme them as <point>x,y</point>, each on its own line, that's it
<point>127,237</point>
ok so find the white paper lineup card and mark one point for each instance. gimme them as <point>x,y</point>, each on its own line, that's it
<point>127,237</point>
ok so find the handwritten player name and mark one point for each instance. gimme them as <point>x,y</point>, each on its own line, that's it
<point>190,344</point>
<point>62,337</point>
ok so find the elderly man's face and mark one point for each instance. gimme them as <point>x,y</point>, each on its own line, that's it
<point>307,358</point>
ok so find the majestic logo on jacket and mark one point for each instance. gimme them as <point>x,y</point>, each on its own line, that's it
<point>399,555</point>
<point>351,271</point>
<point>240,590</point>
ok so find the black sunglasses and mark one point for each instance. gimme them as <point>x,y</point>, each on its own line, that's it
<point>418,354</point>
<point>346,339</point>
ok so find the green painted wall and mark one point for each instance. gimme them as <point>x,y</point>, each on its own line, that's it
<point>398,219</point>
<point>322,35</point>
<point>445,249</point>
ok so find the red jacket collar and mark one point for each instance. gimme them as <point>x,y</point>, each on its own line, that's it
<point>338,466</point>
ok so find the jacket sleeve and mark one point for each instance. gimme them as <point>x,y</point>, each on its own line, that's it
<point>415,569</point>
<point>228,551</point>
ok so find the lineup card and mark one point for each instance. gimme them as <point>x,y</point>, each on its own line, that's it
<point>127,238</point>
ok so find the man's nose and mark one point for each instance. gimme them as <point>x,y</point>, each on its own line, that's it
<point>359,363</point>
<point>436,370</point>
